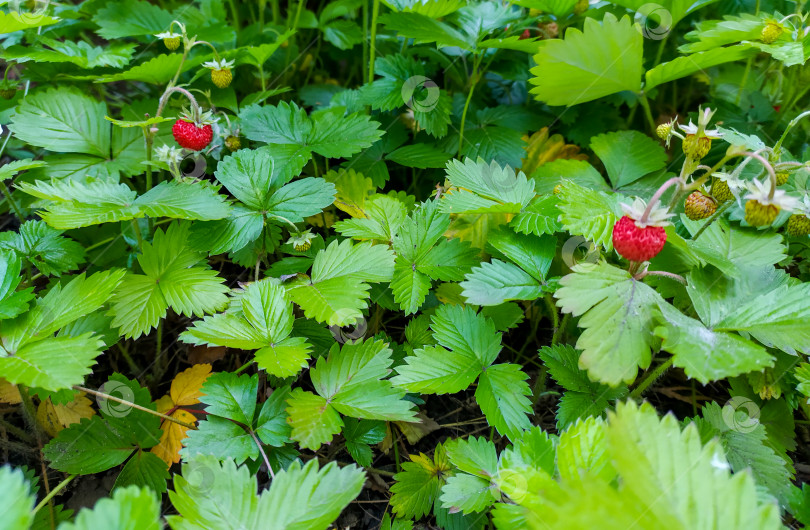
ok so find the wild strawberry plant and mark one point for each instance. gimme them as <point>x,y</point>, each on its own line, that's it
<point>404,264</point>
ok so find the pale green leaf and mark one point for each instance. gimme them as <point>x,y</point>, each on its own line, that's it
<point>183,200</point>
<point>589,213</point>
<point>16,499</point>
<point>63,120</point>
<point>130,508</point>
<point>501,394</point>
<point>572,70</point>
<point>616,315</point>
<point>487,188</point>
<point>313,420</point>
<point>697,62</point>
<point>708,355</point>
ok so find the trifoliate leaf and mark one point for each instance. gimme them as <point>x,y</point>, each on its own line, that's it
<point>485,188</point>
<point>33,357</point>
<point>329,133</point>
<point>423,255</point>
<point>351,379</point>
<point>616,315</point>
<point>172,278</point>
<point>44,247</point>
<point>418,485</point>
<point>253,176</point>
<point>501,394</point>
<point>337,290</point>
<point>359,434</point>
<point>264,324</point>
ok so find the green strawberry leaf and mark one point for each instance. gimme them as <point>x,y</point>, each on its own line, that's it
<point>613,345</point>
<point>571,71</point>
<point>172,278</point>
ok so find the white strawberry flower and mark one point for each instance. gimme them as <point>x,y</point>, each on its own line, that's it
<point>169,154</point>
<point>658,215</point>
<point>700,129</point>
<point>761,192</point>
<point>221,64</point>
<point>168,35</point>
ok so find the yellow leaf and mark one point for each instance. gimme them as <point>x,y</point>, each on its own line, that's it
<point>185,391</point>
<point>353,189</point>
<point>325,219</point>
<point>171,441</point>
<point>186,385</point>
<point>416,431</point>
<point>9,393</point>
<point>164,404</point>
<point>55,417</point>
<point>543,148</point>
<point>475,227</point>
<point>449,293</point>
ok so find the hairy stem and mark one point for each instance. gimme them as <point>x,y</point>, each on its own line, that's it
<point>651,377</point>
<point>59,487</point>
<point>135,406</point>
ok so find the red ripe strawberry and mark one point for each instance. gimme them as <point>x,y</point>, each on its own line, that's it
<point>525,35</point>
<point>638,237</point>
<point>192,135</point>
<point>635,243</point>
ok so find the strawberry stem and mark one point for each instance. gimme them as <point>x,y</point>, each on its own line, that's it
<point>657,197</point>
<point>768,167</point>
<point>195,107</point>
<point>134,406</point>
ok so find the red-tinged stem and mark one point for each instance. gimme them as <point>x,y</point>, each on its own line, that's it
<point>768,167</point>
<point>671,275</point>
<point>195,107</point>
<point>657,197</point>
